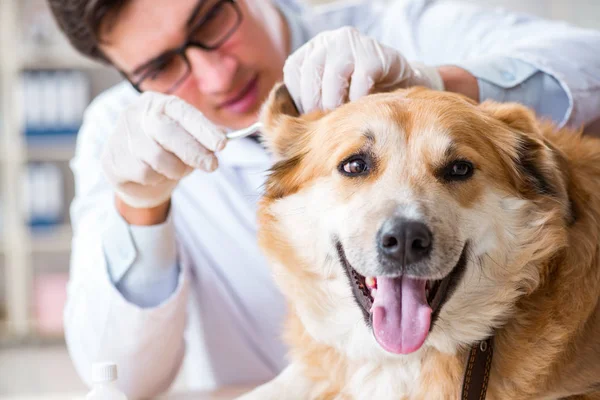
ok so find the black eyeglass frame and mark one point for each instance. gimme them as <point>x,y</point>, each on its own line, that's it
<point>189,42</point>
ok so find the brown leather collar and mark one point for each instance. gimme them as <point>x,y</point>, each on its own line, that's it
<point>477,372</point>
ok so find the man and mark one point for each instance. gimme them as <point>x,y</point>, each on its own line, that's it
<point>159,243</point>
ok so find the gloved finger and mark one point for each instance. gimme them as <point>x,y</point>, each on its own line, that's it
<point>336,80</point>
<point>143,174</point>
<point>121,166</point>
<point>361,84</point>
<point>120,159</point>
<point>194,122</point>
<point>177,140</point>
<point>369,68</point>
<point>158,158</point>
<point>292,73</point>
<point>311,78</point>
<point>397,73</point>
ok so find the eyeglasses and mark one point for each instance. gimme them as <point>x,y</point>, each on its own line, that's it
<point>167,72</point>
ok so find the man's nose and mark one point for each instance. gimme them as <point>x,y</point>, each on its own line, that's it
<point>213,71</point>
<point>404,242</point>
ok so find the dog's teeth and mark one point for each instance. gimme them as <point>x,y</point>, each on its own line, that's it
<point>370,281</point>
<point>373,292</point>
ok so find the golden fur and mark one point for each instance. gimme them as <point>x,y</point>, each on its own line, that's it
<point>534,273</point>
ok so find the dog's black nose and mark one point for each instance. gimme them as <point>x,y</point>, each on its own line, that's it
<point>404,241</point>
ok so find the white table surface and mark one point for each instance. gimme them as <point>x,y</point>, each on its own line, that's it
<point>225,394</point>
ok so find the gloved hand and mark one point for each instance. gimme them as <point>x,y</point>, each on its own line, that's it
<point>157,141</point>
<point>342,65</point>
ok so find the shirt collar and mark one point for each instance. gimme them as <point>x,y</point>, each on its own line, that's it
<point>293,15</point>
<point>244,153</point>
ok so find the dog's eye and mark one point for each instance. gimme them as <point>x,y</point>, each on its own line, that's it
<point>354,166</point>
<point>459,170</point>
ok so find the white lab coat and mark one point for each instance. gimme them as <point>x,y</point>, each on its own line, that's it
<point>225,304</point>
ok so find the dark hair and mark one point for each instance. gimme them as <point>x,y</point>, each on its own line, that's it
<point>83,21</point>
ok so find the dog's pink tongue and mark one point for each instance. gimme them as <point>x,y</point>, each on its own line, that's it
<point>401,315</point>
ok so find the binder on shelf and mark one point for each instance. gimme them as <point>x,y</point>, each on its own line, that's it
<point>1,227</point>
<point>53,104</point>
<point>43,194</point>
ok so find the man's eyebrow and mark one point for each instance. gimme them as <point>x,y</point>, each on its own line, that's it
<point>188,24</point>
<point>148,63</point>
<point>194,13</point>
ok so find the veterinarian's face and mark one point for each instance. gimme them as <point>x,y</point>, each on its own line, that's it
<point>228,84</point>
<point>417,205</point>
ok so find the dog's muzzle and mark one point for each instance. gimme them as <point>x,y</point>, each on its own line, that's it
<point>402,303</point>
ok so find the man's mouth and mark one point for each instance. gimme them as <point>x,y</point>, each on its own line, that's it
<point>401,310</point>
<point>245,99</point>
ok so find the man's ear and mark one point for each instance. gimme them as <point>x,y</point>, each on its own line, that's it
<point>283,128</point>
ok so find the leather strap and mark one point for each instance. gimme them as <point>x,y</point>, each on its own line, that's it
<point>477,372</point>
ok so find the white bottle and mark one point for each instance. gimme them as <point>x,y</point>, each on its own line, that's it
<point>104,377</point>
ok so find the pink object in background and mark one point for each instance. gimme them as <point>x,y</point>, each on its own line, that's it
<point>49,297</point>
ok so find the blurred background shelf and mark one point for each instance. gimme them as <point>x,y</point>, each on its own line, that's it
<point>55,57</point>
<point>58,152</point>
<point>44,88</point>
<point>56,239</point>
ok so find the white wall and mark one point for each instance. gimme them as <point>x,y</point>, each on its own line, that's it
<point>585,13</point>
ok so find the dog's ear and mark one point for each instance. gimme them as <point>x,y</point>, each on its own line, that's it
<point>537,167</point>
<point>516,116</point>
<point>283,127</point>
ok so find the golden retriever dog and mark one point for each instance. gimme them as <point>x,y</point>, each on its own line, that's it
<point>406,227</point>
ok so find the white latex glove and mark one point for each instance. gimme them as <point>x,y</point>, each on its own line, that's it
<point>343,65</point>
<point>157,141</point>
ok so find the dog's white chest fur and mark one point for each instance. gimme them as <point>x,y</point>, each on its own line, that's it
<point>388,380</point>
